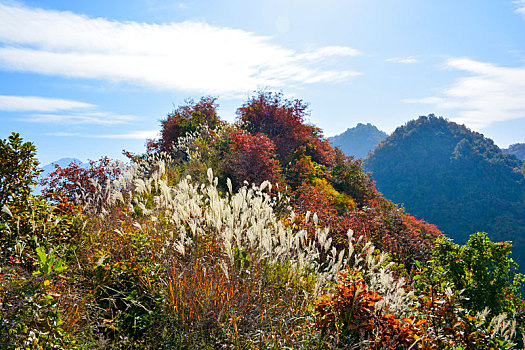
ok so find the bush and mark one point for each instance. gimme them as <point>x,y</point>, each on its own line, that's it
<point>484,271</point>
<point>39,307</point>
<point>87,188</point>
<point>18,170</point>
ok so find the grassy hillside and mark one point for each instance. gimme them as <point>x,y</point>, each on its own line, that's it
<point>166,253</point>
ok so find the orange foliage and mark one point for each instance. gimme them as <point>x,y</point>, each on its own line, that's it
<point>350,312</point>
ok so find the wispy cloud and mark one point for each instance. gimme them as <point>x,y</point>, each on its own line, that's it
<point>491,93</point>
<point>409,59</point>
<point>520,9</point>
<point>189,56</point>
<point>328,51</point>
<point>62,134</point>
<point>59,111</point>
<point>39,104</point>
<point>100,118</point>
<point>134,135</point>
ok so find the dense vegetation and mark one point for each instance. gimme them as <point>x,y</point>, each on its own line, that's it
<point>165,252</point>
<point>454,178</point>
<point>359,140</point>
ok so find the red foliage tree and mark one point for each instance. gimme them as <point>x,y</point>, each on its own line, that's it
<point>252,158</point>
<point>313,199</point>
<point>183,120</point>
<point>283,121</point>
<point>391,230</point>
<point>381,222</point>
<point>309,198</point>
<point>74,185</point>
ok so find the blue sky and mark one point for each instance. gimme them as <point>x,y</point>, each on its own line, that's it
<point>89,78</point>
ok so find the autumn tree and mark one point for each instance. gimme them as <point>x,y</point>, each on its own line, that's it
<point>252,158</point>
<point>185,119</point>
<point>283,121</point>
<point>79,185</point>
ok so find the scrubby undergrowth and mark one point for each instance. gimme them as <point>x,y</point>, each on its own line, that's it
<point>163,253</point>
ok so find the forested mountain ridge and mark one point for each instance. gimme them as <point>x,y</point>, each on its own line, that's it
<point>359,140</point>
<point>453,177</point>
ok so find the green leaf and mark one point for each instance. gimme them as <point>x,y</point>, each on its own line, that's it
<point>41,253</point>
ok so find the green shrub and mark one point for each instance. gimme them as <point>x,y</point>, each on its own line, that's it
<point>18,170</point>
<point>484,271</point>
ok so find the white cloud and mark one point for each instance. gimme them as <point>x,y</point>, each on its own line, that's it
<point>40,104</point>
<point>520,10</point>
<point>409,59</point>
<point>189,56</point>
<point>100,118</point>
<point>491,93</point>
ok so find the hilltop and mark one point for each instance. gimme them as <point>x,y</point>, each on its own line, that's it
<point>359,140</point>
<point>453,177</point>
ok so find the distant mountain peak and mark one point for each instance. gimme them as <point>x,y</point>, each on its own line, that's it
<point>359,140</point>
<point>364,125</point>
<point>518,149</point>
<point>49,168</point>
<point>62,162</point>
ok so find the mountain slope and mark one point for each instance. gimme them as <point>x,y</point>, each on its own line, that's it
<point>454,178</point>
<point>359,140</point>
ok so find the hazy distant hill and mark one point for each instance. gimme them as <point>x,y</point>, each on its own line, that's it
<point>518,149</point>
<point>62,162</point>
<point>359,140</point>
<point>454,178</point>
